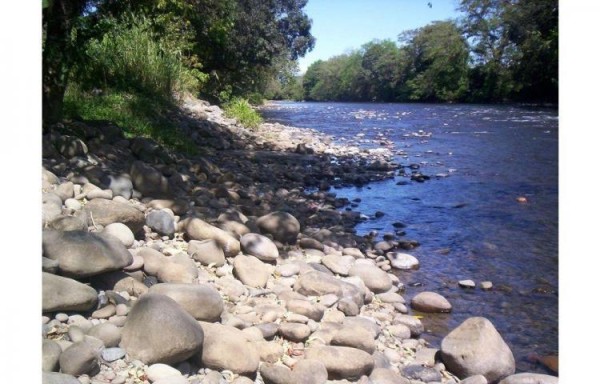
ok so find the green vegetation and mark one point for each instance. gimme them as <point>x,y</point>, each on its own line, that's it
<point>499,51</point>
<point>241,110</point>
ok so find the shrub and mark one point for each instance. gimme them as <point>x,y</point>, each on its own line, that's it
<point>241,110</point>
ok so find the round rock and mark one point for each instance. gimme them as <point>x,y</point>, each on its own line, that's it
<point>260,246</point>
<point>203,302</point>
<point>430,302</point>
<point>402,261</point>
<point>283,226</point>
<point>206,252</point>
<point>121,232</point>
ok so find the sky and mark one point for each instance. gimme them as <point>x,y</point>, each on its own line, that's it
<point>343,25</point>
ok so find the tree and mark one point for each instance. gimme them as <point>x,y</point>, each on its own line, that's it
<point>438,58</point>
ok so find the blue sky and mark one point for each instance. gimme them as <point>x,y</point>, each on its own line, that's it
<point>343,25</point>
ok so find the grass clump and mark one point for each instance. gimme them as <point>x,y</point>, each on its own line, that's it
<point>241,110</point>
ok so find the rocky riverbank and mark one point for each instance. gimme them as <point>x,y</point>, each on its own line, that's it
<point>233,265</point>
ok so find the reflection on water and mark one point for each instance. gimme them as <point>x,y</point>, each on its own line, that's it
<point>467,219</point>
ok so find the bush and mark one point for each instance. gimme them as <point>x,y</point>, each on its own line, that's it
<point>241,110</point>
<point>129,58</point>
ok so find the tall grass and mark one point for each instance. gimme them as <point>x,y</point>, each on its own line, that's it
<point>241,110</point>
<point>128,57</point>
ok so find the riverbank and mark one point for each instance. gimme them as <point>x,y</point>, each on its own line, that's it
<point>234,264</point>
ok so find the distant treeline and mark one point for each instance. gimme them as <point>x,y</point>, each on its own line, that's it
<point>500,50</point>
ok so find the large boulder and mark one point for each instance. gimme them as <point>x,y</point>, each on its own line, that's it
<point>64,294</point>
<point>342,362</point>
<point>198,229</point>
<point>162,222</point>
<point>430,302</point>
<point>201,301</point>
<point>374,278</point>
<point>476,348</point>
<point>158,330</point>
<point>105,212</point>
<point>283,226</point>
<point>251,271</point>
<point>226,347</point>
<point>83,254</point>
<point>259,246</point>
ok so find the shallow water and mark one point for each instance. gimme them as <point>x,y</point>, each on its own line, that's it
<point>467,219</point>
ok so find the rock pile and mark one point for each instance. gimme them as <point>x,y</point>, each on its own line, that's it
<point>165,268</point>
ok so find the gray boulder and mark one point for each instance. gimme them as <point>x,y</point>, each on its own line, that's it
<point>78,359</point>
<point>342,362</point>
<point>283,226</point>
<point>149,180</point>
<point>251,271</point>
<point>317,283</point>
<point>374,278</point>
<point>50,354</point>
<point>121,232</point>
<point>83,254</point>
<point>476,348</point>
<point>162,222</point>
<point>206,252</point>
<point>158,330</point>
<point>64,294</point>
<point>198,229</point>
<point>105,212</point>
<point>201,301</point>
<point>260,246</point>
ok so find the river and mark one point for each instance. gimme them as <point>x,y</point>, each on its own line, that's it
<point>467,218</point>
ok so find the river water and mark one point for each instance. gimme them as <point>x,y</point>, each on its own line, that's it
<point>467,218</point>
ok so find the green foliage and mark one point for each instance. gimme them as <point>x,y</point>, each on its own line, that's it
<point>137,114</point>
<point>128,57</point>
<point>241,110</point>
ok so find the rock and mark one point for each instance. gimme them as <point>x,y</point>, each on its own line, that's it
<point>51,207</point>
<point>179,207</point>
<point>355,336</point>
<point>64,190</point>
<point>354,252</point>
<point>84,254</point>
<point>50,354</point>
<point>226,347</point>
<point>120,185</point>
<point>112,354</point>
<point>153,260</point>
<point>173,380</point>
<point>201,301</point>
<point>70,146</point>
<point>418,372</point>
<point>105,212</point>
<point>374,278</point>
<point>64,294</point>
<point>294,331</point>
<point>121,232</point>
<point>162,222</point>
<point>251,271</point>
<point>338,264</point>
<point>67,223</point>
<point>486,285</point>
<point>78,359</point>
<point>148,180</point>
<point>120,281</point>
<point>158,330</point>
<point>529,378</point>
<point>172,272</point>
<point>386,376</point>
<point>342,362</point>
<point>466,283</point>
<point>475,347</point>
<point>104,312</point>
<point>108,333</point>
<point>198,229</point>
<point>48,178</point>
<point>430,302</point>
<point>402,261</point>
<point>304,372</point>
<point>269,351</point>
<point>477,379</point>
<point>413,323</point>
<point>58,378</point>
<point>206,252</point>
<point>99,194</point>
<point>159,371</point>
<point>309,243</point>
<point>317,284</point>
<point>306,308</point>
<point>260,246</point>
<point>283,226</point>
<point>73,204</point>
<point>49,265</point>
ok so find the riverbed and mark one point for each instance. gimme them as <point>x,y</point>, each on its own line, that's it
<point>488,210</point>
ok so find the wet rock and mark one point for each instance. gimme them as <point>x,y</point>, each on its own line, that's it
<point>206,252</point>
<point>226,347</point>
<point>342,362</point>
<point>251,271</point>
<point>64,294</point>
<point>430,302</point>
<point>198,229</point>
<point>83,254</point>
<point>105,212</point>
<point>203,302</point>
<point>475,347</point>
<point>402,261</point>
<point>283,226</point>
<point>260,246</point>
<point>159,330</point>
<point>529,378</point>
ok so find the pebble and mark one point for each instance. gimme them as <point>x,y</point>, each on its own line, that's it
<point>486,285</point>
<point>62,317</point>
<point>467,283</point>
